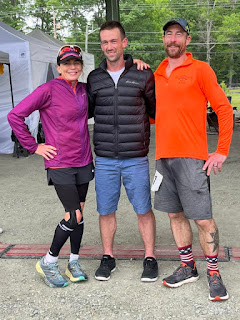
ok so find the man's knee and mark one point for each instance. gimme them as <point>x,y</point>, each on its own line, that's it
<point>148,215</point>
<point>176,216</point>
<point>206,224</point>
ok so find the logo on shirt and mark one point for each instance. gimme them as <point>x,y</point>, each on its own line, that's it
<point>183,79</point>
<point>132,82</point>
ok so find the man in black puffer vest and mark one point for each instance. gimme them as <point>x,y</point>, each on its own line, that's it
<point>121,99</point>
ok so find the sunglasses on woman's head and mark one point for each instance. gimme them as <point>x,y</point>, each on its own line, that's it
<point>68,48</point>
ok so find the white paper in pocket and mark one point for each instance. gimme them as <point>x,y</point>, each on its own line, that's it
<point>157,180</point>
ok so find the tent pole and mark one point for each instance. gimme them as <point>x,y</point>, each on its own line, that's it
<point>14,139</point>
<point>10,80</point>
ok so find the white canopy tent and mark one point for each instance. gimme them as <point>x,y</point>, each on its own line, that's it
<point>7,82</point>
<point>88,58</point>
<point>30,59</point>
<point>33,62</point>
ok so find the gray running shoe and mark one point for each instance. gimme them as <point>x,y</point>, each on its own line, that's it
<point>183,274</point>
<point>217,289</point>
<point>51,274</point>
<point>74,272</point>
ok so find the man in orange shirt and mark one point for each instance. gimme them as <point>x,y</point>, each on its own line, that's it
<point>183,88</point>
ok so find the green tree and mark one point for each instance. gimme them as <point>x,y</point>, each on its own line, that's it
<point>230,24</point>
<point>9,13</point>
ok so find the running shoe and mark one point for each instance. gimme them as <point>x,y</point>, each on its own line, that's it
<point>107,266</point>
<point>150,270</point>
<point>217,289</point>
<point>183,274</point>
<point>74,272</point>
<point>51,274</point>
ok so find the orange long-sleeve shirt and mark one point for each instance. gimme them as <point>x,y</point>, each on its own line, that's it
<point>181,110</point>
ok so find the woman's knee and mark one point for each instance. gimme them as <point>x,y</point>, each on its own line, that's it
<point>74,216</point>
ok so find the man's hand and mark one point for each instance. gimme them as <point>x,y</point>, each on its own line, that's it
<point>46,151</point>
<point>141,64</point>
<point>215,161</point>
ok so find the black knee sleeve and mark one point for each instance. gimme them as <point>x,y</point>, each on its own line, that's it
<point>72,223</point>
<point>66,226</point>
<point>73,219</point>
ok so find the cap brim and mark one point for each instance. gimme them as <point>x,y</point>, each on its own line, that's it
<point>69,57</point>
<point>170,23</point>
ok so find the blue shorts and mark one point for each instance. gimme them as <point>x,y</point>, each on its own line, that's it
<point>109,175</point>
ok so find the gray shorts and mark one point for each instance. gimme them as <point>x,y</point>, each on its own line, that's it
<point>185,187</point>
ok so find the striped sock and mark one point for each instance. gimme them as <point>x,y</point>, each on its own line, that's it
<point>212,263</point>
<point>186,255</point>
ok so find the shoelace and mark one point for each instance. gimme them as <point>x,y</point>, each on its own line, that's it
<point>215,277</point>
<point>182,268</point>
<point>104,262</point>
<point>54,271</point>
<point>149,262</point>
<point>75,266</point>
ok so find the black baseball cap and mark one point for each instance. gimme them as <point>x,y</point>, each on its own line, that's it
<point>183,23</point>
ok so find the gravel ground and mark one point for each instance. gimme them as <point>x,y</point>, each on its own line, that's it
<point>29,212</point>
<point>123,297</point>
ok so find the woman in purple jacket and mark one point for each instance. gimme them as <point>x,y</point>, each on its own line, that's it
<point>63,107</point>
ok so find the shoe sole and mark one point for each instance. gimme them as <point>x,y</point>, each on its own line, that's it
<point>100,278</point>
<point>179,284</point>
<point>72,279</point>
<point>219,298</point>
<point>40,271</point>
<point>149,279</point>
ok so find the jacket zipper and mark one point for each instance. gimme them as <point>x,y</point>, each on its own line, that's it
<point>116,113</point>
<point>115,110</point>
<point>116,118</point>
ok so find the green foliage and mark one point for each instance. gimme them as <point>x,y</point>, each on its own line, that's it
<point>214,27</point>
<point>9,13</point>
<point>225,88</point>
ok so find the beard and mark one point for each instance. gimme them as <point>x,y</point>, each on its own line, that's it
<point>113,58</point>
<point>174,50</point>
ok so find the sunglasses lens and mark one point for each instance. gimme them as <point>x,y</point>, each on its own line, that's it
<point>69,48</point>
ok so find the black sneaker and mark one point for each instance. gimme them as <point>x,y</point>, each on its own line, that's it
<point>150,270</point>
<point>217,289</point>
<point>183,274</point>
<point>107,266</point>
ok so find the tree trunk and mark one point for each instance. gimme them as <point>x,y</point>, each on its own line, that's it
<point>209,28</point>
<point>231,70</point>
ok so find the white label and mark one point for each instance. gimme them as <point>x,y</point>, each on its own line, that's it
<point>157,180</point>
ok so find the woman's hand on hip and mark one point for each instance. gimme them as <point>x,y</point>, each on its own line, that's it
<point>46,151</point>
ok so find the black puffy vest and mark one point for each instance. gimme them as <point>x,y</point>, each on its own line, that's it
<point>121,113</point>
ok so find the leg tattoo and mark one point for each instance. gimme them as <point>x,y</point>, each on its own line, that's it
<point>215,237</point>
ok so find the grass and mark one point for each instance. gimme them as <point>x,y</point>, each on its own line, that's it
<point>235,93</point>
